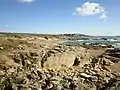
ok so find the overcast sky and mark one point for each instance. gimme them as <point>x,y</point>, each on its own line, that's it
<point>94,17</point>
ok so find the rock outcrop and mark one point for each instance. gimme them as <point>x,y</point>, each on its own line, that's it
<point>58,67</point>
<point>66,56</point>
<point>29,75</point>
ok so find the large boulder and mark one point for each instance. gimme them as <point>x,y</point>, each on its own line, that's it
<point>68,58</point>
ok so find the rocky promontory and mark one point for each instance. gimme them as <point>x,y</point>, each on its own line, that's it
<point>42,63</point>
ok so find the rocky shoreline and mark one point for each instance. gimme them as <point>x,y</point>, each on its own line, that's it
<point>48,65</point>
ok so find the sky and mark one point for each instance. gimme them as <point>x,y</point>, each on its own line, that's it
<point>91,17</point>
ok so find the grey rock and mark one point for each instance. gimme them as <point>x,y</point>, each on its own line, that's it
<point>56,80</point>
<point>85,75</point>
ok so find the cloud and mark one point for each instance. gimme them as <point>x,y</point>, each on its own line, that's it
<point>89,9</point>
<point>103,16</point>
<point>26,1</point>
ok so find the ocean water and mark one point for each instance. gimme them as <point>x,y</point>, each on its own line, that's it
<point>111,41</point>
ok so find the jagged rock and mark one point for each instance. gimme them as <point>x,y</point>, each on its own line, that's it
<point>113,84</point>
<point>94,78</point>
<point>1,48</point>
<point>107,62</point>
<point>85,75</point>
<point>33,54</point>
<point>56,80</point>
<point>106,69</point>
<point>46,38</point>
<point>67,56</point>
<point>58,68</point>
<point>59,87</point>
<point>92,72</point>
<point>2,73</point>
<point>50,86</point>
<point>52,51</point>
<point>76,61</point>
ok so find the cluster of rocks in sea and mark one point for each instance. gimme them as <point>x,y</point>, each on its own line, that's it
<point>31,72</point>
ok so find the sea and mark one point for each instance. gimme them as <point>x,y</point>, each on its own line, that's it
<point>103,40</point>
